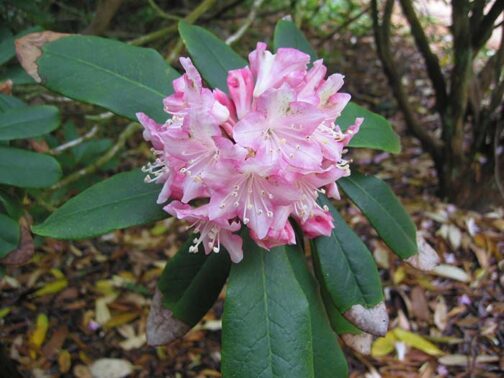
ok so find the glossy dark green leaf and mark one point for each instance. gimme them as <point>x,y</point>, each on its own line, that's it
<point>7,40</point>
<point>7,50</point>
<point>266,323</point>
<point>191,282</point>
<point>10,102</point>
<point>27,169</point>
<point>346,266</point>
<point>11,205</point>
<point>210,55</point>
<point>121,201</point>
<point>288,35</point>
<point>328,358</point>
<point>376,132</point>
<point>9,235</point>
<point>122,78</point>
<point>338,322</point>
<point>17,74</point>
<point>28,122</point>
<point>384,211</point>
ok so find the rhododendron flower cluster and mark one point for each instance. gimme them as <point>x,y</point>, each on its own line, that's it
<point>257,156</point>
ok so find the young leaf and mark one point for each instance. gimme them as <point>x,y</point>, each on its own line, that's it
<point>121,201</point>
<point>122,78</point>
<point>384,211</point>
<point>375,132</point>
<point>9,102</point>
<point>328,359</point>
<point>288,35</point>
<point>27,169</point>
<point>210,55</point>
<point>28,122</point>
<point>348,272</point>
<point>9,235</point>
<point>189,286</point>
<point>266,323</point>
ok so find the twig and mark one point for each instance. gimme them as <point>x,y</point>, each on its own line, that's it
<point>162,13</point>
<point>250,19</point>
<point>58,150</point>
<point>343,26</point>
<point>153,36</point>
<point>123,137</point>
<point>190,18</point>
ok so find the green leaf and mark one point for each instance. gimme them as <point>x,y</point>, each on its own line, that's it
<point>384,211</point>
<point>266,322</point>
<point>7,50</point>
<point>17,74</point>
<point>121,201</point>
<point>10,102</point>
<point>338,322</point>
<point>9,235</point>
<point>288,35</point>
<point>328,359</point>
<point>375,132</point>
<point>27,169</point>
<point>191,282</point>
<point>11,205</point>
<point>122,78</point>
<point>346,266</point>
<point>210,55</point>
<point>28,122</point>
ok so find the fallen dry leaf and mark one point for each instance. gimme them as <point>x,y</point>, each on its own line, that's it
<point>452,272</point>
<point>25,250</point>
<point>111,368</point>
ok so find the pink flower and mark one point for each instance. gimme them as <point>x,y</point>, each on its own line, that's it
<point>258,157</point>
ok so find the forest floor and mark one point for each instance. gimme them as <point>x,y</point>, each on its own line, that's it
<point>96,293</point>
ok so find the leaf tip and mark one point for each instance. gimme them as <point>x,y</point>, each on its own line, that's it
<point>426,259</point>
<point>162,327</point>
<point>372,320</point>
<point>360,343</point>
<point>29,50</point>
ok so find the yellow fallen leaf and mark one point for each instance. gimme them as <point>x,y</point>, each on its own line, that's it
<point>39,334</point>
<point>416,341</point>
<point>105,287</point>
<point>452,272</point>
<point>120,319</point>
<point>52,287</point>
<point>399,275</point>
<point>5,311</point>
<point>57,273</point>
<point>64,361</point>
<point>383,345</point>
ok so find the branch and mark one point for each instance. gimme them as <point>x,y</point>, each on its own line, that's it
<point>58,150</point>
<point>92,168</point>
<point>431,60</point>
<point>453,128</point>
<point>162,13</point>
<point>105,11</point>
<point>250,19</point>
<point>485,27</point>
<point>343,26</point>
<point>382,40</point>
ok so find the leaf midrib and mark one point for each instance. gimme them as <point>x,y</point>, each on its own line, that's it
<point>361,188</point>
<point>100,68</point>
<point>125,199</point>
